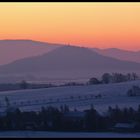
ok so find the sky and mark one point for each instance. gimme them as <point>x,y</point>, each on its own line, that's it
<point>92,24</point>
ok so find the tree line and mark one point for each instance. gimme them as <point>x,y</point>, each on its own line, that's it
<point>107,78</point>
<point>54,119</point>
<point>23,85</point>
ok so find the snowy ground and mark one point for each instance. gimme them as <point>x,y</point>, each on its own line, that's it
<point>80,97</point>
<point>46,134</point>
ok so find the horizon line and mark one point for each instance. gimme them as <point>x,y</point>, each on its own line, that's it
<point>69,44</point>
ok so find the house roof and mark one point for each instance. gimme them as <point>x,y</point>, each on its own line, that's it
<point>125,125</point>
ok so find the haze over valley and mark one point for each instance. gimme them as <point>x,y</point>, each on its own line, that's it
<point>56,61</point>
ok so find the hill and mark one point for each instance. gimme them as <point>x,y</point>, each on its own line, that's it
<point>133,56</point>
<point>68,61</point>
<point>11,50</point>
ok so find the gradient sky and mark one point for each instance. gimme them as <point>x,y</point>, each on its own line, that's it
<point>103,25</point>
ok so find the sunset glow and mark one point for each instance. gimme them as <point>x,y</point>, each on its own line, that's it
<point>103,25</point>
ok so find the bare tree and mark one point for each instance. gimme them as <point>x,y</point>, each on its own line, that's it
<point>7,101</point>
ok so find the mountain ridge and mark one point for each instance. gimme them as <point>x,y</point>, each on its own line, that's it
<point>121,54</point>
<point>11,50</point>
<point>69,61</point>
<point>15,49</point>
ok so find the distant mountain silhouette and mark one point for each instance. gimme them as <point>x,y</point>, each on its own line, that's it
<point>69,61</point>
<point>120,54</point>
<point>11,50</point>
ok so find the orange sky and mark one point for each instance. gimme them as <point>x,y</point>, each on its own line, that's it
<point>102,25</point>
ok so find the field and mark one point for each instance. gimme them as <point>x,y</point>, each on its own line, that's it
<point>79,97</point>
<point>46,134</point>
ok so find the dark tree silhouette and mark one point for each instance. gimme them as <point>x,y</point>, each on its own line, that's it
<point>106,78</point>
<point>23,84</point>
<point>93,81</point>
<point>7,101</point>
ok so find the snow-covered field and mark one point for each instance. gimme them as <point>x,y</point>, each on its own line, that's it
<point>46,134</point>
<point>80,97</point>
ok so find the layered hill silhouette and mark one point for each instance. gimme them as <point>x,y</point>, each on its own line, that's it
<point>119,54</point>
<point>69,61</point>
<point>11,50</point>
